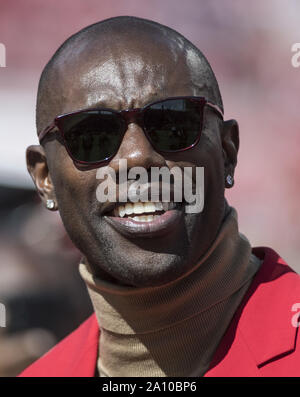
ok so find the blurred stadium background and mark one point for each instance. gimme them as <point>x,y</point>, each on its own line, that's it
<point>249,47</point>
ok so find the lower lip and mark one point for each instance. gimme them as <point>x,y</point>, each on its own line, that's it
<point>163,224</point>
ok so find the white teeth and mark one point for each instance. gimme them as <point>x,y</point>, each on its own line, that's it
<point>138,208</point>
<point>159,206</point>
<point>142,208</point>
<point>128,208</point>
<point>144,218</point>
<point>121,210</point>
<point>149,207</point>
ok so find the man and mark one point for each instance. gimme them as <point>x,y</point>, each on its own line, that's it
<point>176,294</point>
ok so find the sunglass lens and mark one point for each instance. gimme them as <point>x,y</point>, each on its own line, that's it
<point>91,136</point>
<point>173,124</point>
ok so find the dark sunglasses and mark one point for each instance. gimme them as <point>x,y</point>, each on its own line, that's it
<point>93,136</point>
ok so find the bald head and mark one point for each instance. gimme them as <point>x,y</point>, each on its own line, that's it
<point>120,53</point>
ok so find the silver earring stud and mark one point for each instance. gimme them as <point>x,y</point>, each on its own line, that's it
<point>229,180</point>
<point>50,204</point>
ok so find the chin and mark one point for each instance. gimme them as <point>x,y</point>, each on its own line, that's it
<point>143,262</point>
<point>148,270</point>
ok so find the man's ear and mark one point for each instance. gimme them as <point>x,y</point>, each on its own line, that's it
<point>230,145</point>
<point>39,172</point>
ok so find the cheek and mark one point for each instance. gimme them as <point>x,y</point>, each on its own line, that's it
<point>207,154</point>
<point>212,155</point>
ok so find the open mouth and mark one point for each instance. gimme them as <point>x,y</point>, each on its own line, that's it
<point>143,211</point>
<point>144,219</point>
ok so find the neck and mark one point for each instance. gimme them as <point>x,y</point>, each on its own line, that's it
<point>174,329</point>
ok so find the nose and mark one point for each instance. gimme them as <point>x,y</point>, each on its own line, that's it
<point>137,150</point>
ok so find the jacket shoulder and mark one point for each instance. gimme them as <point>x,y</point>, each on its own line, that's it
<point>263,337</point>
<point>278,296</point>
<point>75,355</point>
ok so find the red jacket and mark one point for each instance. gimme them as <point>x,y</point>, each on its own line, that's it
<point>262,339</point>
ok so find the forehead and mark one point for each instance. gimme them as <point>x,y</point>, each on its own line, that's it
<point>130,80</point>
<point>126,74</point>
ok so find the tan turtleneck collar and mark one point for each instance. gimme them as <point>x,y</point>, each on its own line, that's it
<point>173,329</point>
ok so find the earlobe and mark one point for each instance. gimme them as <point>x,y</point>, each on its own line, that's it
<point>230,146</point>
<point>39,172</point>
